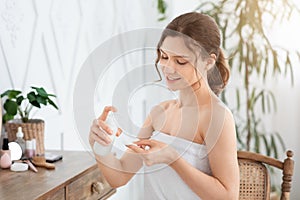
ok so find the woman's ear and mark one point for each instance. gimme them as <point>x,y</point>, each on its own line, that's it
<point>210,61</point>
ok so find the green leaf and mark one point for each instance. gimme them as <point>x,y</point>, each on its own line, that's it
<point>6,117</point>
<point>275,62</point>
<point>273,146</point>
<point>267,147</point>
<point>223,30</point>
<point>238,135</point>
<point>273,100</point>
<point>259,95</point>
<point>263,105</point>
<point>161,6</point>
<point>288,64</point>
<point>4,93</point>
<point>256,141</point>
<point>268,104</point>
<point>41,100</point>
<point>52,103</point>
<point>51,95</point>
<point>11,107</point>
<point>162,18</point>
<point>31,97</point>
<point>19,100</point>
<point>36,104</point>
<point>266,67</point>
<point>238,99</point>
<point>41,91</point>
<point>280,140</point>
<point>252,99</point>
<point>11,94</point>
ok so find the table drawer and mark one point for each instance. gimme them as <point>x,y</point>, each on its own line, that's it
<point>54,195</point>
<point>89,186</point>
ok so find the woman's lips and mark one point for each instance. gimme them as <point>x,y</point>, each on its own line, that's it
<point>171,79</point>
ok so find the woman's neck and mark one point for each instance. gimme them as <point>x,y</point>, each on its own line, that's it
<point>196,95</point>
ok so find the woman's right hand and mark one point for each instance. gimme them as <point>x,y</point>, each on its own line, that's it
<point>99,130</point>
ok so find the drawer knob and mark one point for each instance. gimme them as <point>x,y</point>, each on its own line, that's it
<point>98,187</point>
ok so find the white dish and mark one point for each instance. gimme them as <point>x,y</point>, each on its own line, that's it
<point>19,167</point>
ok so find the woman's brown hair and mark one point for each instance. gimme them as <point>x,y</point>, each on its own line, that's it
<point>204,31</point>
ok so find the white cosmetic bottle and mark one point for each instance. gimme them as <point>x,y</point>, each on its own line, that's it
<point>20,140</point>
<point>105,150</point>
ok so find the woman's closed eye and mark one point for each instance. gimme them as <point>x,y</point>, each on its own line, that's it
<point>178,61</point>
<point>164,57</point>
<point>181,61</point>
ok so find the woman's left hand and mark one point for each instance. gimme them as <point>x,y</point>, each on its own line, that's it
<point>154,152</point>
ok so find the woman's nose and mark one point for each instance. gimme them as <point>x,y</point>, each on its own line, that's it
<point>168,68</point>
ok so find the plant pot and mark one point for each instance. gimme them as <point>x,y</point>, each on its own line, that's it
<point>33,129</point>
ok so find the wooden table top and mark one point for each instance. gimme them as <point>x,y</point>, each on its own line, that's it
<point>30,185</point>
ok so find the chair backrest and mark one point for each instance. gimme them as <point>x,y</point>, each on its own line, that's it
<point>254,176</point>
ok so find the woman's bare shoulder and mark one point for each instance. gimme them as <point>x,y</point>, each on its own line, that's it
<point>165,105</point>
<point>162,107</point>
<point>221,106</point>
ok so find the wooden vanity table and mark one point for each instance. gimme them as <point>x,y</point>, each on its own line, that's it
<point>76,176</point>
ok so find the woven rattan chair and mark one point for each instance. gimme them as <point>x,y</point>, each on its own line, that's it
<point>254,176</point>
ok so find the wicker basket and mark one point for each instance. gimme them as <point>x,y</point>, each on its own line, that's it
<point>33,129</point>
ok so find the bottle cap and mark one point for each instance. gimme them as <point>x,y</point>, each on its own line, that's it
<point>20,133</point>
<point>5,144</point>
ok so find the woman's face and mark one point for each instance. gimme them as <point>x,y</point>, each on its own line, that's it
<point>177,63</point>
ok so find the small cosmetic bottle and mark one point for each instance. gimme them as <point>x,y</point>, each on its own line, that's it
<point>20,140</point>
<point>34,146</point>
<point>29,149</point>
<point>5,160</point>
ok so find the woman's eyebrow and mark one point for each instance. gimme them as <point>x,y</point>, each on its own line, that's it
<point>181,56</point>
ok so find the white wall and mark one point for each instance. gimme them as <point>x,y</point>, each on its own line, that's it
<point>286,120</point>
<point>44,43</point>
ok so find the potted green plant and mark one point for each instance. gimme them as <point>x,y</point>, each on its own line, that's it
<point>16,104</point>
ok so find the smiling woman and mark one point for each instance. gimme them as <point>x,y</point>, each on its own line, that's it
<point>177,68</point>
<point>186,146</point>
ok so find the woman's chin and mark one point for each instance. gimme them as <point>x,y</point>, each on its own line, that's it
<point>178,88</point>
<point>173,88</point>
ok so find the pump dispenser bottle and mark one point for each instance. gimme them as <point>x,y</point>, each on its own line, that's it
<point>105,150</point>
